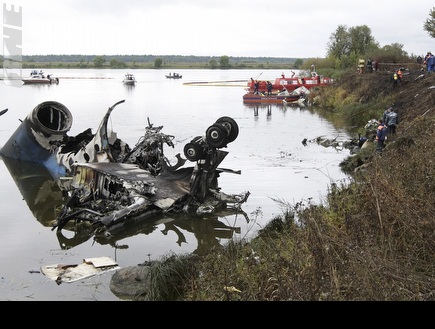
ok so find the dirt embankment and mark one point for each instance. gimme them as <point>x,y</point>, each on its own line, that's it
<point>413,97</point>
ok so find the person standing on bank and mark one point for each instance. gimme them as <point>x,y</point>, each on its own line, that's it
<point>392,121</point>
<point>384,116</point>
<point>370,65</point>
<point>395,79</point>
<point>430,63</point>
<point>427,61</point>
<point>360,66</point>
<point>381,134</point>
<point>375,65</point>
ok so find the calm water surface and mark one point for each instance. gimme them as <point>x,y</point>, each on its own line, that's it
<point>273,162</point>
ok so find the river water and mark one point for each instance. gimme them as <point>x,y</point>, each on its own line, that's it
<point>276,168</point>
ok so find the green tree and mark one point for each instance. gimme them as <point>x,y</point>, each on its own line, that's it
<point>429,24</point>
<point>213,63</point>
<point>361,40</point>
<point>347,45</point>
<point>99,61</point>
<point>298,63</point>
<point>339,43</point>
<point>392,53</point>
<point>82,63</point>
<point>114,63</point>
<point>158,62</point>
<point>224,62</point>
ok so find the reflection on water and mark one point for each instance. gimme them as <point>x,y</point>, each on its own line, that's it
<point>45,198</point>
<point>41,193</point>
<point>129,88</point>
<point>209,231</point>
<point>270,108</point>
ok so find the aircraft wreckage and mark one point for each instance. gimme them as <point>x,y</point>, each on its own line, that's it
<point>105,182</point>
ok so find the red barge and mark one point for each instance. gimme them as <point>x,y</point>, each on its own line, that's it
<point>291,83</point>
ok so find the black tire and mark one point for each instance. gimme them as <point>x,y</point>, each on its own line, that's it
<point>216,135</point>
<point>231,126</point>
<point>193,152</point>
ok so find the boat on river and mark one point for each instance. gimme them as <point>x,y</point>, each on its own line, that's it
<point>129,79</point>
<point>252,98</point>
<point>299,95</point>
<point>174,76</point>
<point>40,78</point>
<point>291,83</point>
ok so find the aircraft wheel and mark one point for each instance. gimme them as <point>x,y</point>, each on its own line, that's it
<point>216,135</point>
<point>192,151</point>
<point>231,126</point>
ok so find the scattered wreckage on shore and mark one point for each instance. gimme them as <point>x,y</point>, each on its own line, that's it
<point>106,183</point>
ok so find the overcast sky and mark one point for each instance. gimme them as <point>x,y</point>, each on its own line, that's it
<point>246,28</point>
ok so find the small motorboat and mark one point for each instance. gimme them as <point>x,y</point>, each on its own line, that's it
<point>282,97</point>
<point>291,100</point>
<point>174,76</point>
<point>302,92</point>
<point>40,78</point>
<point>129,79</point>
<point>264,98</point>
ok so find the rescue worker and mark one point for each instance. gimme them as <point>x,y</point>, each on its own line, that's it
<point>391,121</point>
<point>375,65</point>
<point>256,85</point>
<point>400,73</point>
<point>269,87</point>
<point>381,136</point>
<point>361,64</point>
<point>369,65</point>
<point>430,62</point>
<point>386,112</point>
<point>395,79</point>
<point>425,60</point>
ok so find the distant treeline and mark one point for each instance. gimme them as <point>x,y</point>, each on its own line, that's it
<point>156,61</point>
<point>152,58</point>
